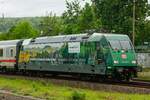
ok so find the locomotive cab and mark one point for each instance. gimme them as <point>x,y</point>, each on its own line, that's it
<point>121,59</point>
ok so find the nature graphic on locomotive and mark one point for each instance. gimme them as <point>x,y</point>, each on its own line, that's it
<point>97,54</point>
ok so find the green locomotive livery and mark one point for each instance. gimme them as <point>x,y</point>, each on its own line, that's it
<point>97,54</point>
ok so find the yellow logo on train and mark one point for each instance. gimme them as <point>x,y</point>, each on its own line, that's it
<point>24,57</point>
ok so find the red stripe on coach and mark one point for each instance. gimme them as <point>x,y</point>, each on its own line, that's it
<point>7,60</point>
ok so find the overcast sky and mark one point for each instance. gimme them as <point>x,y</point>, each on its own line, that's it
<point>26,8</point>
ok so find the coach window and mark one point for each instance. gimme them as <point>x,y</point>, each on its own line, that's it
<point>11,52</point>
<point>1,52</point>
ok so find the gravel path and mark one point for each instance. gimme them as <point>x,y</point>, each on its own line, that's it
<point>5,95</point>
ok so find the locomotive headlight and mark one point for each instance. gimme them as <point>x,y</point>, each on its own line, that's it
<point>116,62</point>
<point>133,62</point>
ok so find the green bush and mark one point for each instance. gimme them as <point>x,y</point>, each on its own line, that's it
<point>78,96</point>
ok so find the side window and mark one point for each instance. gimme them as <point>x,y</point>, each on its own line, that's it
<point>11,53</point>
<point>1,52</point>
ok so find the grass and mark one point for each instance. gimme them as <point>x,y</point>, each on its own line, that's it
<point>145,74</point>
<point>49,91</point>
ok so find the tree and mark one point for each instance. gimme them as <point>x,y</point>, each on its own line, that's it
<point>88,19</point>
<point>51,25</point>
<point>78,19</point>
<point>22,30</point>
<point>71,17</point>
<point>143,34</point>
<point>117,15</point>
<point>4,36</point>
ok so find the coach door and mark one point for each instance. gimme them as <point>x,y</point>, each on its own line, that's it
<point>12,53</point>
<point>1,52</point>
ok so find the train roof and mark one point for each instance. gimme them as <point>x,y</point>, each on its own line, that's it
<point>116,36</point>
<point>9,42</point>
<point>61,38</point>
<point>75,38</point>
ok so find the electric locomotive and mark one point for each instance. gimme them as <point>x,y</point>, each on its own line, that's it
<point>97,54</point>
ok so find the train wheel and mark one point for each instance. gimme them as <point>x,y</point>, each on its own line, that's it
<point>4,69</point>
<point>103,79</point>
<point>128,77</point>
<point>119,77</point>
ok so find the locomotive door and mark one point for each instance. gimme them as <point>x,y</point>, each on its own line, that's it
<point>100,61</point>
<point>100,56</point>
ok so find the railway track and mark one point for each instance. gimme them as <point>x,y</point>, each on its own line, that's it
<point>138,84</point>
<point>134,86</point>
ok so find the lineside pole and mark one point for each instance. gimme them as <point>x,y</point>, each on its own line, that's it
<point>133,34</point>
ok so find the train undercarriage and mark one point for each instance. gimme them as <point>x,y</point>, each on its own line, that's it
<point>117,75</point>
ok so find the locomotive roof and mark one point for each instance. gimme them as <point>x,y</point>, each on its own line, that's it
<point>116,37</point>
<point>76,38</point>
<point>61,38</point>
